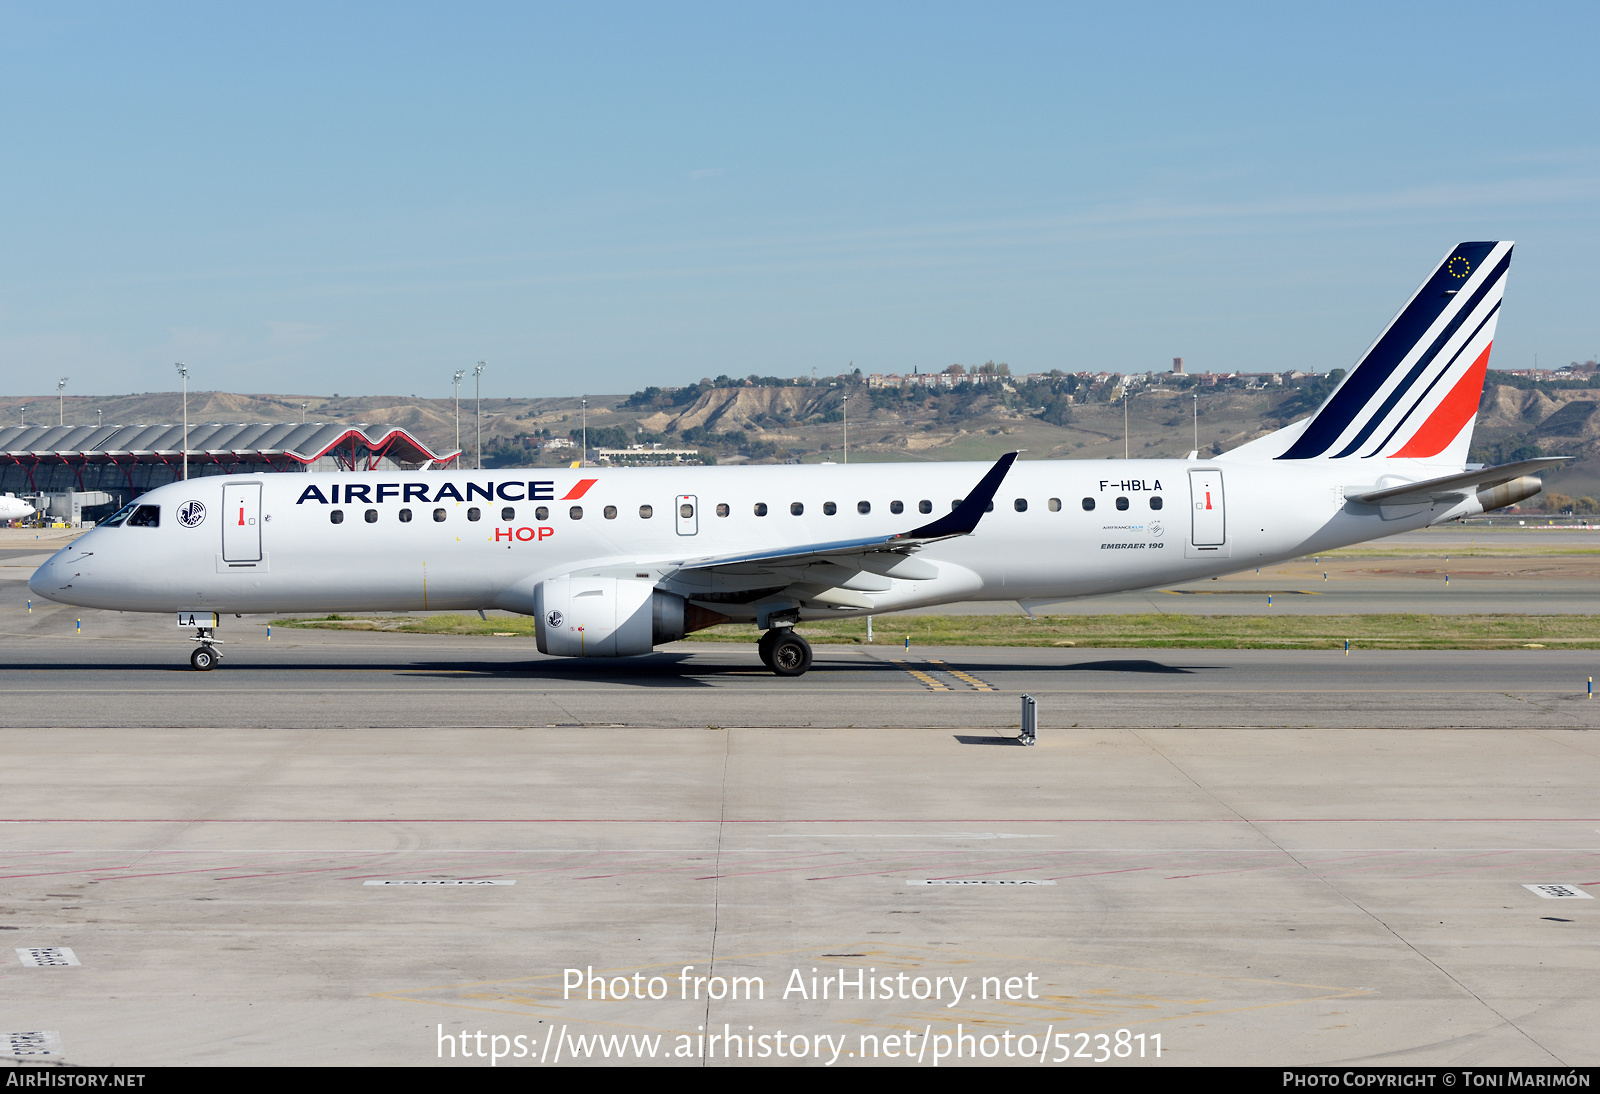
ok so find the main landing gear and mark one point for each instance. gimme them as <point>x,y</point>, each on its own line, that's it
<point>784,652</point>
<point>205,655</point>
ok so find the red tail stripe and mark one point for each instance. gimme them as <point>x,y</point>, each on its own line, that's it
<point>1448,418</point>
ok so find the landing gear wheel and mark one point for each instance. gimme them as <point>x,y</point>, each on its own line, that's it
<point>204,658</point>
<point>764,646</point>
<point>791,654</point>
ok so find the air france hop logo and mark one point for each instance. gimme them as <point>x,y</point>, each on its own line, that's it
<point>191,513</point>
<point>554,619</point>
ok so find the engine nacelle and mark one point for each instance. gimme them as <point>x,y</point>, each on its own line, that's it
<point>582,616</point>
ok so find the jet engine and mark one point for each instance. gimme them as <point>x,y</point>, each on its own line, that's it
<point>583,616</point>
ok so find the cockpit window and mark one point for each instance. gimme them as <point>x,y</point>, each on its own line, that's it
<point>120,515</point>
<point>146,516</point>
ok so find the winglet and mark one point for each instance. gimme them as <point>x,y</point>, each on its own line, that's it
<point>964,518</point>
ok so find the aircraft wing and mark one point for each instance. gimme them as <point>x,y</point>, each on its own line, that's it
<point>1454,486</point>
<point>960,521</point>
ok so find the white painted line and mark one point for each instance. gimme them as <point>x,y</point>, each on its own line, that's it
<point>42,956</point>
<point>450,882</point>
<point>1560,892</point>
<point>980,881</point>
<point>39,1042</point>
<point>908,835</point>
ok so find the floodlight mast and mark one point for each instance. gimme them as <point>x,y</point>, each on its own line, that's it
<point>183,370</point>
<point>61,411</point>
<point>477,416</point>
<point>456,380</point>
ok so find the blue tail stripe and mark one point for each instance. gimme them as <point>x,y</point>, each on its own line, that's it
<point>1427,358</point>
<point>1379,364</point>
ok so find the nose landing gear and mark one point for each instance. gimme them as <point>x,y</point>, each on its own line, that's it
<point>205,655</point>
<point>784,652</point>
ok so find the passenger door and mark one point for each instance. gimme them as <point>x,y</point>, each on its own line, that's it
<point>1210,528</point>
<point>241,522</point>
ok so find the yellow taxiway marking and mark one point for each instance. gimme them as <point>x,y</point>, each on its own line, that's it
<point>922,677</point>
<point>971,681</point>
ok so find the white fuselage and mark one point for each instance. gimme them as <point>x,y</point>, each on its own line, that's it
<point>268,543</point>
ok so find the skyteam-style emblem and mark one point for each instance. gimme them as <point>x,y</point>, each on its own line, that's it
<point>554,619</point>
<point>1415,392</point>
<point>191,514</point>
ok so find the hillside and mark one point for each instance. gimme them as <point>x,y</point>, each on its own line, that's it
<point>807,422</point>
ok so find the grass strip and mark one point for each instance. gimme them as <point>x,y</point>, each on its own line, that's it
<point>1150,631</point>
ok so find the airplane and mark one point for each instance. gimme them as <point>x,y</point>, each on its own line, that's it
<point>614,562</point>
<point>15,508</point>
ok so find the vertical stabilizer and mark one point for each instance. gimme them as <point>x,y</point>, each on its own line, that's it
<point>1415,393</point>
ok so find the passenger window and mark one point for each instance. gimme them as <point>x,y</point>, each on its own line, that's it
<point>508,514</point>
<point>146,516</point>
<point>336,516</point>
<point>1055,505</point>
<point>372,516</point>
<point>924,506</point>
<point>474,513</point>
<point>795,509</point>
<point>722,508</point>
<point>405,516</point>
<point>897,507</point>
<point>576,512</point>
<point>609,512</point>
<point>438,516</point>
<point>829,509</point>
<point>646,512</point>
<point>1020,505</point>
<point>542,513</point>
<point>1155,501</point>
<point>863,507</point>
<point>1122,503</point>
<point>686,510</point>
<point>1088,505</point>
<point>761,508</point>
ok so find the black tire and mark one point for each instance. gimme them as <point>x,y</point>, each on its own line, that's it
<point>791,654</point>
<point>204,659</point>
<point>764,645</point>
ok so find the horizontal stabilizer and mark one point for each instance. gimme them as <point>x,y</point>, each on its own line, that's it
<point>1454,486</point>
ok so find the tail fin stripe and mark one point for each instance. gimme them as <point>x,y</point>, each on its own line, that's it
<point>1380,362</point>
<point>1450,415</point>
<point>1435,382</point>
<point>1427,359</point>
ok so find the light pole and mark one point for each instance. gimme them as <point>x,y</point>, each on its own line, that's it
<point>302,413</point>
<point>477,417</point>
<point>583,455</point>
<point>847,426</point>
<point>24,416</point>
<point>183,370</point>
<point>61,412</point>
<point>457,381</point>
<point>1196,425</point>
<point>99,418</point>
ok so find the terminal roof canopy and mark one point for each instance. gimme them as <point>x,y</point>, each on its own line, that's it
<point>359,446</point>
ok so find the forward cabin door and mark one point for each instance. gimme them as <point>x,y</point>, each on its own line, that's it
<point>1210,523</point>
<point>241,522</point>
<point>687,508</point>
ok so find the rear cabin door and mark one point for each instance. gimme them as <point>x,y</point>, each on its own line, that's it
<point>1210,522</point>
<point>241,522</point>
<point>687,507</point>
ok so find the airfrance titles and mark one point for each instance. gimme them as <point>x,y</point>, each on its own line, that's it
<point>377,493</point>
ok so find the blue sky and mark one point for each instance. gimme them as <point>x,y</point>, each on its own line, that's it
<point>593,198</point>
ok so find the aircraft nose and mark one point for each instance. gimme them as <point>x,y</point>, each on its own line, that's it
<point>44,580</point>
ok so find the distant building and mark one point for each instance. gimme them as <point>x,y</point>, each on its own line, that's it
<point>1177,365</point>
<point>124,461</point>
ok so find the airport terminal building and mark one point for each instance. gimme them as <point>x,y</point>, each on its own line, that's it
<point>89,471</point>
